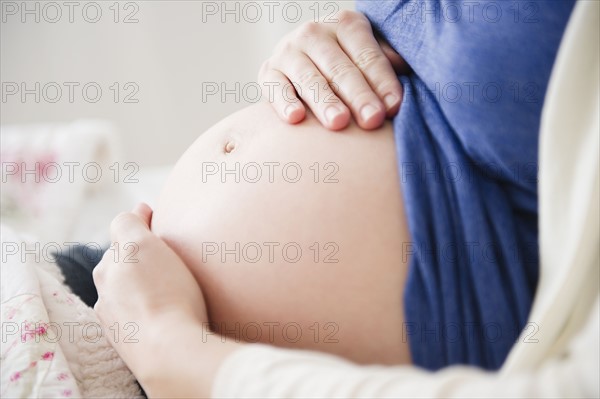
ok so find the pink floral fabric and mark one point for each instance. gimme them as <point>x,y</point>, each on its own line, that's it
<point>33,364</point>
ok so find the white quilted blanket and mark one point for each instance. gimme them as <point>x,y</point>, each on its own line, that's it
<point>52,343</point>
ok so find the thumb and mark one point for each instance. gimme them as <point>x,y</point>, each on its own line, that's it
<point>144,212</point>
<point>128,227</point>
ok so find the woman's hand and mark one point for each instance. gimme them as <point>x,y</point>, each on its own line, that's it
<point>344,56</point>
<point>141,281</point>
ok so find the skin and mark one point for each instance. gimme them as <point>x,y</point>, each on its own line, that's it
<point>361,217</point>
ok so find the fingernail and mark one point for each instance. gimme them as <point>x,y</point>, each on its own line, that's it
<point>390,100</point>
<point>368,111</point>
<point>289,109</point>
<point>331,113</point>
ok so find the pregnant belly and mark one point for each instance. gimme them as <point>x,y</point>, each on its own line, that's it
<point>294,233</point>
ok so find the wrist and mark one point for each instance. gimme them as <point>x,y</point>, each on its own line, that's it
<point>182,358</point>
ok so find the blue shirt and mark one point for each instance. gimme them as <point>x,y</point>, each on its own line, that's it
<point>467,149</point>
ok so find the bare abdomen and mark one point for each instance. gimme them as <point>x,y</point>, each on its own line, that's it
<point>294,233</point>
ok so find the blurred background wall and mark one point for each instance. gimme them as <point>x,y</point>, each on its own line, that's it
<point>149,67</point>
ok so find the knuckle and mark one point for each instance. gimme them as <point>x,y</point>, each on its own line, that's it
<point>341,70</point>
<point>345,16</point>
<point>306,78</point>
<point>309,29</point>
<point>286,44</point>
<point>368,57</point>
<point>348,18</point>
